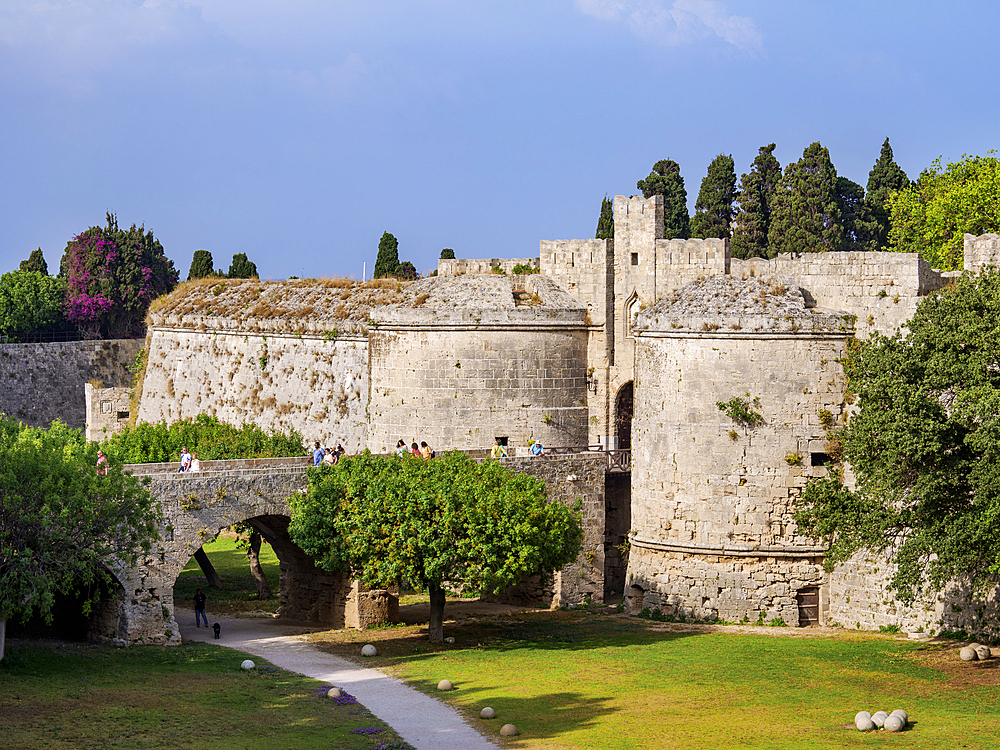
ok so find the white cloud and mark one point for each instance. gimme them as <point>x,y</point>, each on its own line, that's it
<point>683,22</point>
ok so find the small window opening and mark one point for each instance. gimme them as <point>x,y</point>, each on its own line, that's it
<point>635,259</point>
<point>502,441</point>
<point>820,459</point>
<point>122,415</point>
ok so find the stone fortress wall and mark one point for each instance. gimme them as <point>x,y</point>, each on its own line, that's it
<point>476,353</point>
<point>43,382</point>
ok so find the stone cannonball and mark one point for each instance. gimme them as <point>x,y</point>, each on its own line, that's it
<point>878,718</point>
<point>508,730</point>
<point>445,685</point>
<point>488,713</point>
<point>864,722</point>
<point>901,714</point>
<point>983,652</point>
<point>333,692</point>
<point>894,723</point>
<point>247,664</point>
<point>968,654</point>
<point>861,715</point>
<point>369,650</point>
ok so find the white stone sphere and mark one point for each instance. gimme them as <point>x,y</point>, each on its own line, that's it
<point>333,692</point>
<point>247,664</point>
<point>445,685</point>
<point>864,723</point>
<point>861,715</point>
<point>369,650</point>
<point>901,714</point>
<point>968,654</point>
<point>878,718</point>
<point>488,713</point>
<point>508,730</point>
<point>894,723</point>
<point>983,652</point>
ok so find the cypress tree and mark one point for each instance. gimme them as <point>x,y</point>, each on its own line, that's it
<point>885,178</point>
<point>606,222</point>
<point>805,212</point>
<point>201,265</point>
<point>752,218</point>
<point>666,180</point>
<point>714,209</point>
<point>860,226</point>
<point>35,262</point>
<point>387,260</point>
<point>242,267</point>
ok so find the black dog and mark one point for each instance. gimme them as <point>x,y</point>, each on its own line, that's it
<point>217,628</point>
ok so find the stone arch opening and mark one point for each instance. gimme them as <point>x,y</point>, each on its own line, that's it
<point>623,417</point>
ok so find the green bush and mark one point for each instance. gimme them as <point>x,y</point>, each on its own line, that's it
<point>210,438</point>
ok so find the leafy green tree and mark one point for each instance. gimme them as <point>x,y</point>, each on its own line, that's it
<point>30,302</point>
<point>202,265</point>
<point>112,276</point>
<point>449,520</point>
<point>242,267</point>
<point>406,271</point>
<point>666,180</point>
<point>755,195</point>
<point>714,210</point>
<point>62,523</point>
<point>861,228</point>
<point>447,254</point>
<point>35,262</point>
<point>885,178</point>
<point>606,221</point>
<point>387,260</point>
<point>924,445</point>
<point>932,216</point>
<point>805,212</point>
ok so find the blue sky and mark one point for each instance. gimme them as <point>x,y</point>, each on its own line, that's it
<point>298,131</point>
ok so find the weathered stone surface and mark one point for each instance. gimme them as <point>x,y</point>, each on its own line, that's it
<point>879,717</point>
<point>894,723</point>
<point>487,713</point>
<point>864,724</point>
<point>983,652</point>
<point>968,654</point>
<point>369,650</point>
<point>445,685</point>
<point>508,730</point>
<point>247,664</point>
<point>43,382</point>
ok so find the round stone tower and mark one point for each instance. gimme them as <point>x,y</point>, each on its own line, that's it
<point>466,359</point>
<point>736,387</point>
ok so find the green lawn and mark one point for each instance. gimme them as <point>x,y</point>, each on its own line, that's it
<point>81,696</point>
<point>575,680</point>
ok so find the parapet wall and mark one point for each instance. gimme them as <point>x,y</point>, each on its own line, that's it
<point>881,289</point>
<point>43,382</point>
<point>464,266</point>
<point>981,251</point>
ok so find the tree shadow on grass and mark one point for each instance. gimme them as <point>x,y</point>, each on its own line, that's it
<point>537,717</point>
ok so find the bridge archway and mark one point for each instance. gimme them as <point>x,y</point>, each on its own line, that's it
<point>623,417</point>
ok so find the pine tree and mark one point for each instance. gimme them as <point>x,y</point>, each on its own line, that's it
<point>714,209</point>
<point>861,228</point>
<point>35,262</point>
<point>387,260</point>
<point>885,178</point>
<point>242,267</point>
<point>201,265</point>
<point>752,219</point>
<point>666,180</point>
<point>606,222</point>
<point>805,212</point>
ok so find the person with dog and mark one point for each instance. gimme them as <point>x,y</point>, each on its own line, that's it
<point>199,608</point>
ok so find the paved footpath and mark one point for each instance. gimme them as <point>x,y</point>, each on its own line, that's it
<point>425,723</point>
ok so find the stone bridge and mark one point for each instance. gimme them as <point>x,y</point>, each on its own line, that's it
<point>196,506</point>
